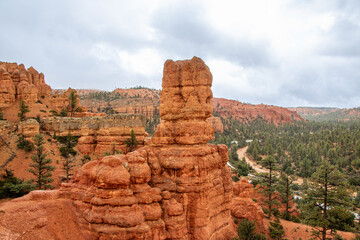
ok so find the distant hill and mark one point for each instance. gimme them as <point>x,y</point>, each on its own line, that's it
<point>147,101</point>
<point>249,112</point>
<point>328,114</point>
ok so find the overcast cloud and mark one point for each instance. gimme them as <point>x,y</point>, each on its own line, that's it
<point>279,52</point>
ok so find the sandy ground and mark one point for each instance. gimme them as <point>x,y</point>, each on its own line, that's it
<point>296,231</point>
<point>257,167</point>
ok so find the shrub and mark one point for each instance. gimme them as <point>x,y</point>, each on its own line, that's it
<point>276,230</point>
<point>246,230</point>
<point>12,187</point>
<point>24,144</point>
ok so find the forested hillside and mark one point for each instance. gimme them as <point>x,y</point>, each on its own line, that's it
<point>328,114</point>
<point>299,147</point>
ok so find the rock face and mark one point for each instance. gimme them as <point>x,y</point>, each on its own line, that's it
<point>217,124</point>
<point>17,82</point>
<point>178,187</point>
<point>185,104</point>
<point>60,101</point>
<point>98,134</point>
<point>29,128</point>
<point>243,207</point>
<point>140,100</point>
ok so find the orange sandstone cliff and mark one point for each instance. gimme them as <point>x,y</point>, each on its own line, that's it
<point>249,112</point>
<point>177,187</point>
<point>18,83</point>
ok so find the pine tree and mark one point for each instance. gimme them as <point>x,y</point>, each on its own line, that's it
<point>269,181</point>
<point>41,167</point>
<point>327,189</point>
<point>286,193</point>
<point>246,231</point>
<point>67,152</point>
<point>23,109</point>
<point>276,230</point>
<point>72,104</point>
<point>131,142</point>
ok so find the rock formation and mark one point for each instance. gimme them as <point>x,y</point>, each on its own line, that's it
<point>98,134</point>
<point>17,82</point>
<point>29,128</point>
<point>217,124</point>
<point>178,187</point>
<point>243,206</point>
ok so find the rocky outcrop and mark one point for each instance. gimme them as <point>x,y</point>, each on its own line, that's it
<point>19,83</point>
<point>178,187</point>
<point>5,128</point>
<point>98,134</point>
<point>29,128</point>
<point>62,101</point>
<point>7,88</point>
<point>244,207</point>
<point>134,101</point>
<point>217,124</point>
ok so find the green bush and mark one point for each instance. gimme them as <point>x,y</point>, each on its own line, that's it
<point>24,144</point>
<point>246,230</point>
<point>276,230</point>
<point>12,187</point>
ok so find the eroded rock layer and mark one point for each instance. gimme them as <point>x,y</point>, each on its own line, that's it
<point>18,82</point>
<point>98,134</point>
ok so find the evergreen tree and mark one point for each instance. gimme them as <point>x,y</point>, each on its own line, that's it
<point>72,104</point>
<point>246,231</point>
<point>67,152</point>
<point>63,112</point>
<point>23,110</point>
<point>131,142</point>
<point>41,167</point>
<point>269,182</point>
<point>327,189</point>
<point>22,143</point>
<point>13,187</point>
<point>286,192</point>
<point>276,230</point>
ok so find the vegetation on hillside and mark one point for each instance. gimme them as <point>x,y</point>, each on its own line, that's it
<point>41,166</point>
<point>326,155</point>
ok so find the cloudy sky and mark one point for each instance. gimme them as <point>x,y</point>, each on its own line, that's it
<point>279,52</point>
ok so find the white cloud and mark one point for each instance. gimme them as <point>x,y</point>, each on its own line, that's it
<point>281,52</point>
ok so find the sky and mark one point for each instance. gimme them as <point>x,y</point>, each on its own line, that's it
<point>280,52</point>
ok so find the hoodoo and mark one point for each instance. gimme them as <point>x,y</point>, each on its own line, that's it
<point>177,187</point>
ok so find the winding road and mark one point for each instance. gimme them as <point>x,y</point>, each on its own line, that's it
<point>241,152</point>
